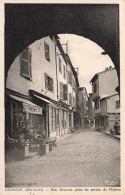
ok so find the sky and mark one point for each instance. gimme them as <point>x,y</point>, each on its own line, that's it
<point>86,55</point>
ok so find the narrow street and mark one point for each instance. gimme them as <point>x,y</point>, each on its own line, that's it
<point>87,159</point>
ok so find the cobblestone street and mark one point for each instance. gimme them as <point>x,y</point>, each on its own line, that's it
<point>87,159</point>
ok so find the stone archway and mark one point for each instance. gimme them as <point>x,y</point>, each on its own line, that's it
<point>25,23</point>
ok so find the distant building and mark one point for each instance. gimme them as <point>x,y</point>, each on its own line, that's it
<point>67,85</point>
<point>91,113</point>
<point>83,106</point>
<point>109,111</point>
<point>106,101</point>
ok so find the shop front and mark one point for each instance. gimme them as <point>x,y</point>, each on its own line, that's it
<point>25,123</point>
<point>51,122</point>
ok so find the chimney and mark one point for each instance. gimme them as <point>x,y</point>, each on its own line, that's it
<point>106,68</point>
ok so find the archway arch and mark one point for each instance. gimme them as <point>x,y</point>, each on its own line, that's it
<point>25,23</point>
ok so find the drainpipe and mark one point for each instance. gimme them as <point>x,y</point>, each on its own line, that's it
<point>56,69</point>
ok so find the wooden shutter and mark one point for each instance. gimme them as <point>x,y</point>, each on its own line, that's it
<point>46,81</point>
<point>70,99</point>
<point>70,78</point>
<point>47,51</point>
<point>26,69</point>
<point>60,65</point>
<point>61,90</point>
<point>65,92</point>
<point>51,84</point>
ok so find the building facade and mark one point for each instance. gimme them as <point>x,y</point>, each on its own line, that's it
<point>83,106</point>
<point>91,113</point>
<point>40,94</point>
<point>110,111</point>
<point>105,99</point>
<point>30,87</point>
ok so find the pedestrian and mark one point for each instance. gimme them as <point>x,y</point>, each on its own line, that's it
<point>70,128</point>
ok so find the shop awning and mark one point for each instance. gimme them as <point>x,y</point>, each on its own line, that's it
<point>43,99</point>
<point>47,101</point>
<point>28,106</point>
<point>22,100</point>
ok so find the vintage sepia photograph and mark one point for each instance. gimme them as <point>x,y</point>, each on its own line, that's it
<point>62,96</point>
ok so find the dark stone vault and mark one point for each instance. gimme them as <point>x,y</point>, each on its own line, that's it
<point>25,23</point>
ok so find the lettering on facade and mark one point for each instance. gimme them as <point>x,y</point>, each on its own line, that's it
<point>32,109</point>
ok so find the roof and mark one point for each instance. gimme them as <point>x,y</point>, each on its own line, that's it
<point>108,96</point>
<point>104,71</point>
<point>81,88</point>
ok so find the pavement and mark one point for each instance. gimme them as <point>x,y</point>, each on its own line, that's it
<point>86,158</point>
<point>114,136</point>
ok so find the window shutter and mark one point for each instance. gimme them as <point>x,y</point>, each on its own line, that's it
<point>95,88</point>
<point>60,65</point>
<point>47,52</point>
<point>61,90</point>
<point>70,78</point>
<point>64,71</point>
<point>29,55</point>
<point>26,69</point>
<point>65,92</point>
<point>46,81</point>
<point>30,58</point>
<point>70,99</point>
<point>51,84</point>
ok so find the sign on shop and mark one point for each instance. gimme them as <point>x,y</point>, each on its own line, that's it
<point>32,109</point>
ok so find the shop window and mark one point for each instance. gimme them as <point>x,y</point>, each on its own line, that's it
<point>117,104</point>
<point>25,65</point>
<point>48,82</point>
<point>64,120</point>
<point>57,118</point>
<point>18,120</point>
<point>47,51</point>
<point>52,119</point>
<point>60,66</point>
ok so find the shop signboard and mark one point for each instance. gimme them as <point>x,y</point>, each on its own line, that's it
<point>32,109</point>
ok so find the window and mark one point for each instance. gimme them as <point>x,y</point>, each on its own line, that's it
<point>64,72</point>
<point>117,104</point>
<point>60,65</point>
<point>25,68</point>
<point>63,91</point>
<point>47,51</point>
<point>70,99</point>
<point>74,84</point>
<point>97,104</point>
<point>70,78</point>
<point>48,82</point>
<point>95,88</point>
